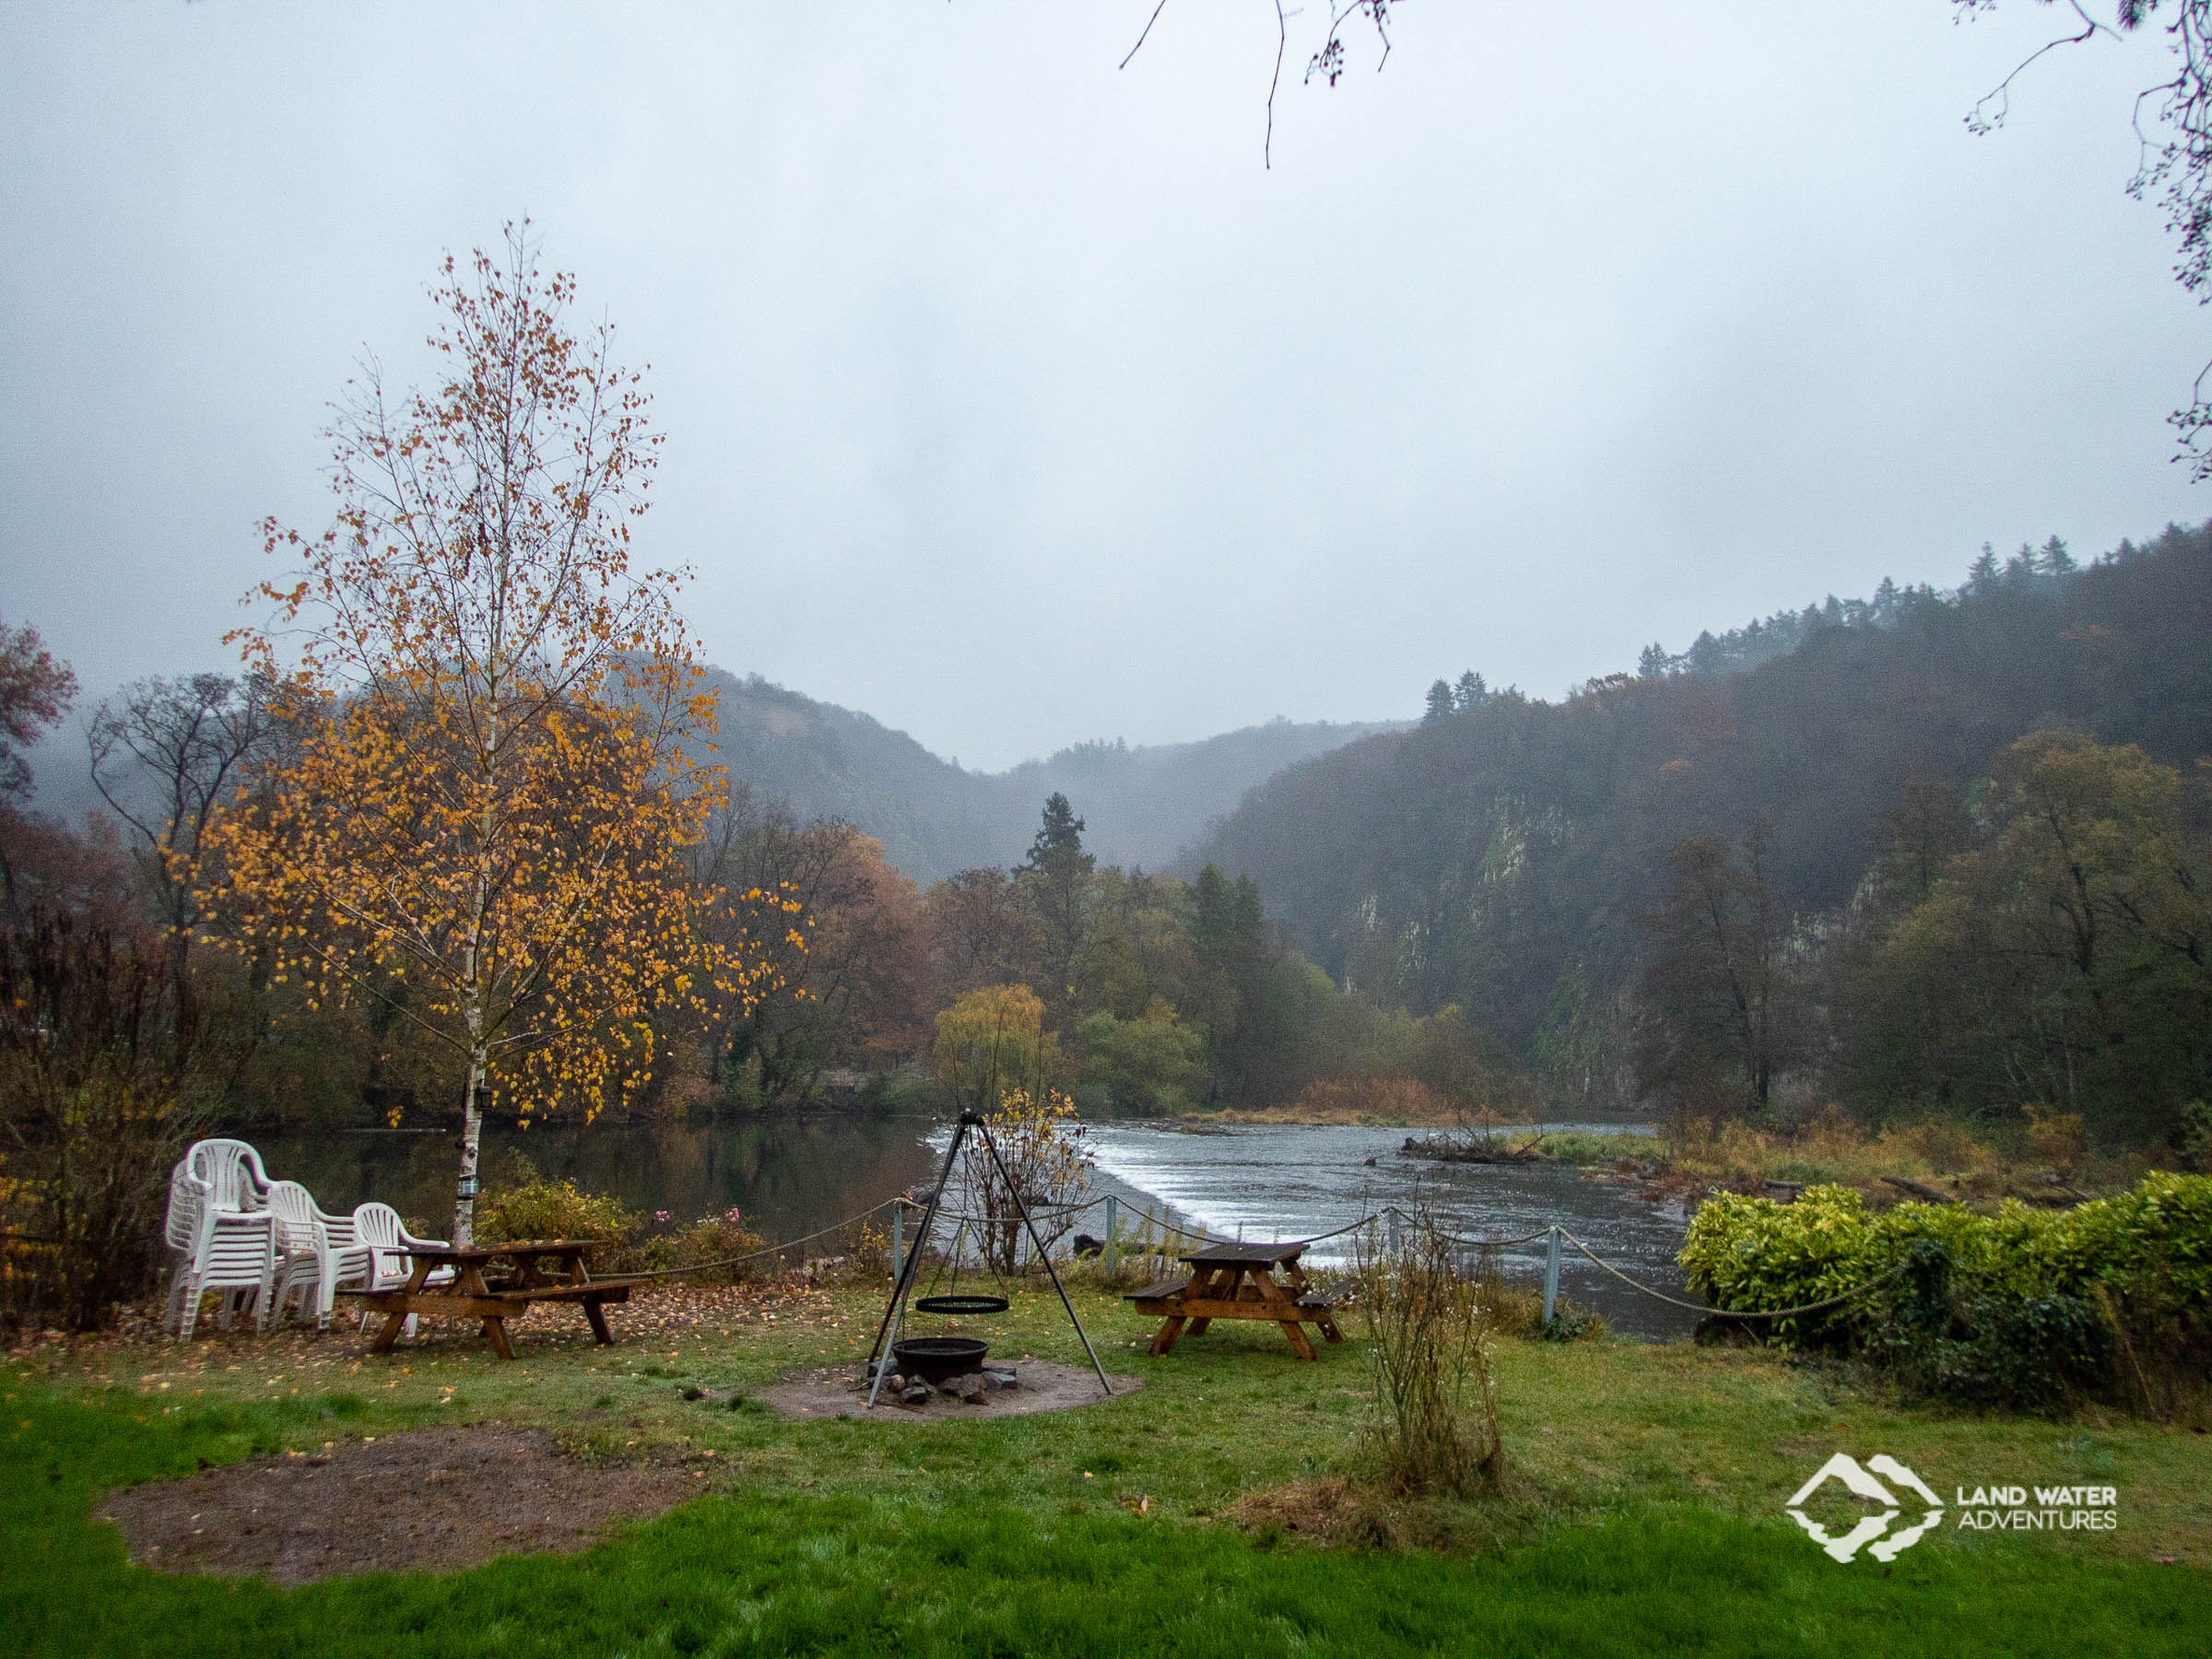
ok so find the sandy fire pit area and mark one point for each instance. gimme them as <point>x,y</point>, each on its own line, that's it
<point>436,1500</point>
<point>842,1391</point>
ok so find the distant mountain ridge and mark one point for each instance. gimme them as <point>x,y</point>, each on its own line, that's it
<point>1142,804</point>
<point>1503,855</point>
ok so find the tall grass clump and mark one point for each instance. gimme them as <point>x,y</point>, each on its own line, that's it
<point>1432,1425</point>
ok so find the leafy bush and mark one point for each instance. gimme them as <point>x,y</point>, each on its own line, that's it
<point>1041,1158</point>
<point>2025,1307</point>
<point>2034,1353</point>
<point>527,1206</point>
<point>2192,1137</point>
<point>710,1238</point>
<point>1571,1322</point>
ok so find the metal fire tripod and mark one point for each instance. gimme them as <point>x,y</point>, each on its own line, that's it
<point>886,1333</point>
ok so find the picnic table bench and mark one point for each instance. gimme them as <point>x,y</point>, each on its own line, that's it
<point>1238,1281</point>
<point>471,1296</point>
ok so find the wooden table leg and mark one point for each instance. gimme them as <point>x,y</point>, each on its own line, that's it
<point>1272,1295</point>
<point>1202,1284</point>
<point>469,1281</point>
<point>1210,1284</point>
<point>1171,1328</point>
<point>597,1315</point>
<point>393,1323</point>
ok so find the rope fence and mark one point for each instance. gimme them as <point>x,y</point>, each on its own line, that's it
<point>1170,1230</point>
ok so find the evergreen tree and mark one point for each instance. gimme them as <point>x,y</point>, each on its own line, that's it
<point>1439,703</point>
<point>1473,692</point>
<point>1055,885</point>
<point>1059,840</point>
<point>1981,575</point>
<point>2054,561</point>
<point>1883,611</point>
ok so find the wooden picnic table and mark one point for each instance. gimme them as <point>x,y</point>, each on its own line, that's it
<point>471,1296</point>
<point>1238,1281</point>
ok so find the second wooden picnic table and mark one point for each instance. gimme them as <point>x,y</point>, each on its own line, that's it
<point>1238,1281</point>
<point>471,1296</point>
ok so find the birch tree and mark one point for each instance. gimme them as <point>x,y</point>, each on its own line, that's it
<point>484,819</point>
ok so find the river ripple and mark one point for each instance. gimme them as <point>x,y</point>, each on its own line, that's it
<point>1293,1181</point>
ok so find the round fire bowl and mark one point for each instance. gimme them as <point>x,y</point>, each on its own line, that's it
<point>936,1357</point>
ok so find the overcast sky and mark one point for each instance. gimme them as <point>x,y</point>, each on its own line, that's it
<point>1010,399</point>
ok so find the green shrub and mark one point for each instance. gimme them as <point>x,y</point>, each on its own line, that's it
<point>1753,1253</point>
<point>2019,1307</point>
<point>527,1206</point>
<point>710,1238</point>
<point>1569,1323</point>
<point>2032,1353</point>
<point>2193,1135</point>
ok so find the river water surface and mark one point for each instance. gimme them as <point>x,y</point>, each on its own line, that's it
<point>790,1176</point>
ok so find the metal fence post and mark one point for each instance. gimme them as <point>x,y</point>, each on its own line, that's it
<point>1114,1245</point>
<point>898,1234</point>
<point>1394,1230</point>
<point>1551,1273</point>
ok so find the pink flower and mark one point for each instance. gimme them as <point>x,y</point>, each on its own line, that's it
<point>660,1215</point>
<point>732,1216</point>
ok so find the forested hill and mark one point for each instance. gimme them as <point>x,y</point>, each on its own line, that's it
<point>1142,804</point>
<point>1501,855</point>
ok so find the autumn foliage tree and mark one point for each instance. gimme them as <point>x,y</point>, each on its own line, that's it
<point>484,816</point>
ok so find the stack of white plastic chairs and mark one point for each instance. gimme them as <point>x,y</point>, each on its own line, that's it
<point>263,1246</point>
<point>219,1225</point>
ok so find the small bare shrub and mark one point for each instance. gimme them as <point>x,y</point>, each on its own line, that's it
<point>1040,1143</point>
<point>1433,1426</point>
<point>94,1109</point>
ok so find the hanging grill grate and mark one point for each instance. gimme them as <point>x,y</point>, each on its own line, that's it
<point>961,1304</point>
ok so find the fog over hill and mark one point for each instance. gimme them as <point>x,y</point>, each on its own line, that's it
<point>1142,804</point>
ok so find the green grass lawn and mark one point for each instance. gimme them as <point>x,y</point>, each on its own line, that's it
<point>1645,1513</point>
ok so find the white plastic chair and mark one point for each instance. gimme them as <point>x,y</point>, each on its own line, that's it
<point>236,1258</point>
<point>233,1172</point>
<point>306,1265</point>
<point>181,1232</point>
<point>381,1238</point>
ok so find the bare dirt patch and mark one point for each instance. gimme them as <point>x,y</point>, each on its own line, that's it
<point>842,1391</point>
<point>435,1499</point>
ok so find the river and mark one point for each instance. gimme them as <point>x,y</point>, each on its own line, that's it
<point>790,1176</point>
